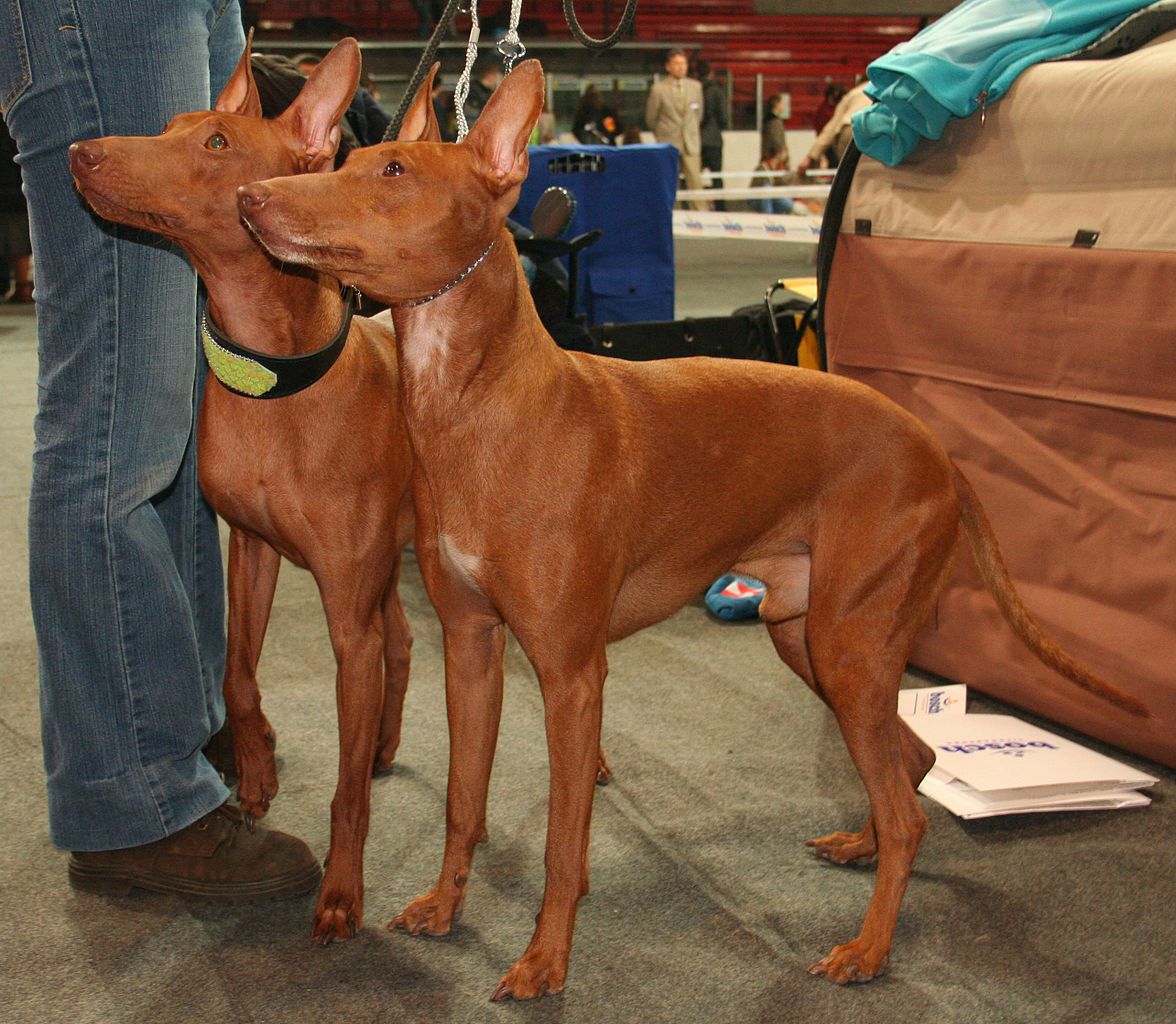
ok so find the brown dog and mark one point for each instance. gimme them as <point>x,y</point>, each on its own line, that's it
<point>320,476</point>
<point>608,481</point>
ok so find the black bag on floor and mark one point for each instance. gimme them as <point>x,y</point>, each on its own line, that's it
<point>771,331</point>
<point>732,337</point>
<point>781,320</point>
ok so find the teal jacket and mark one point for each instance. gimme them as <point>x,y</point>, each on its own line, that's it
<point>969,58</point>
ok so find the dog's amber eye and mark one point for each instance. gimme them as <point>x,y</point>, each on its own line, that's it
<point>394,169</point>
<point>216,141</point>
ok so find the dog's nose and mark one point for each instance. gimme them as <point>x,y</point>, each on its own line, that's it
<point>252,197</point>
<point>86,156</point>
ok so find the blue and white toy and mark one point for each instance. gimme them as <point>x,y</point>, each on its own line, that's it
<point>734,597</point>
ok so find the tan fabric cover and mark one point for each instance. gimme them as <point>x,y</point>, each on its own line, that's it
<point>1048,372</point>
<point>1073,145</point>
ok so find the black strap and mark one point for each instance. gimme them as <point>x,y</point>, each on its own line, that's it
<point>293,373</point>
<point>827,243</point>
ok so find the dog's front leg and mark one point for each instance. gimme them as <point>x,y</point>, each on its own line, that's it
<point>253,576</point>
<point>356,626</point>
<point>572,701</point>
<point>473,689</point>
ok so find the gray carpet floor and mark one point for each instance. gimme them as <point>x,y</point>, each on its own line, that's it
<point>705,905</point>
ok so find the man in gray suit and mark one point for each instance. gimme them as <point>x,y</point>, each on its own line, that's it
<point>673,113</point>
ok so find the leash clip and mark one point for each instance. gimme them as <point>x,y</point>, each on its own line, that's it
<point>511,48</point>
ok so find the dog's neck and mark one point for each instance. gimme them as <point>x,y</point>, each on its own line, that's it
<point>274,309</point>
<point>480,341</point>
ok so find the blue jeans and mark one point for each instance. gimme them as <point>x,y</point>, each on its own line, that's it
<point>124,558</point>
<point>774,205</point>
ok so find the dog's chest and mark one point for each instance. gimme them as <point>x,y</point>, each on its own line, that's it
<point>460,560</point>
<point>425,360</point>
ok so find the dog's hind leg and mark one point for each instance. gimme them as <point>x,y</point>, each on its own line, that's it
<point>252,579</point>
<point>397,660</point>
<point>789,639</point>
<point>871,593</point>
<point>873,738</point>
<point>846,847</point>
<point>785,613</point>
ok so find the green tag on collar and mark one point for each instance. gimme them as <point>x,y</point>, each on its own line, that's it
<point>236,372</point>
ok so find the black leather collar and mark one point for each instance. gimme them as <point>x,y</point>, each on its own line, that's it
<point>259,375</point>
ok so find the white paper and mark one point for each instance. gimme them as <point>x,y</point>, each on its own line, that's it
<point>999,752</point>
<point>934,700</point>
<point>962,800</point>
<point>987,765</point>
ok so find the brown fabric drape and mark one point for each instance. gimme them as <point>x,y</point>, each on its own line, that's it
<point>1047,370</point>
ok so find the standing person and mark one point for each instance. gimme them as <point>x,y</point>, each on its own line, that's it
<point>15,246</point>
<point>367,119</point>
<point>673,113</point>
<point>834,138</point>
<point>829,101</point>
<point>124,555</point>
<point>428,13</point>
<point>595,123</point>
<point>714,123</point>
<point>774,157</point>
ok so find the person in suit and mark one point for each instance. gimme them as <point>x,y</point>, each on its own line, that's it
<point>673,113</point>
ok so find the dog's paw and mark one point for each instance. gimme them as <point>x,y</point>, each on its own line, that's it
<point>430,914</point>
<point>852,962</point>
<point>256,788</point>
<point>257,770</point>
<point>337,916</point>
<point>386,755</point>
<point>845,847</point>
<point>603,769</point>
<point>533,975</point>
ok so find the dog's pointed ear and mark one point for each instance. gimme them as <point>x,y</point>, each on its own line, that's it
<point>420,122</point>
<point>239,96</point>
<point>315,114</point>
<point>499,137</point>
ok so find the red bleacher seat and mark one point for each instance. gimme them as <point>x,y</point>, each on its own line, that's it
<point>799,54</point>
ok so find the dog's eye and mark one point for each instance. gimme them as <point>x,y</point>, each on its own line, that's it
<point>394,169</point>
<point>216,141</point>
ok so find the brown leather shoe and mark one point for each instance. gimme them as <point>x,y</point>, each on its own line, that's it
<point>216,860</point>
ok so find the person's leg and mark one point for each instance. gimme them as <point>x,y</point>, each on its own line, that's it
<point>123,553</point>
<point>712,160</point>
<point>692,171</point>
<point>424,15</point>
<point>21,270</point>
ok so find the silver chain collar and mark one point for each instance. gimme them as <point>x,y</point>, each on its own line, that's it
<point>452,284</point>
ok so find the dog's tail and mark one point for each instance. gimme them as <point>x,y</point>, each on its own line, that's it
<point>986,551</point>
